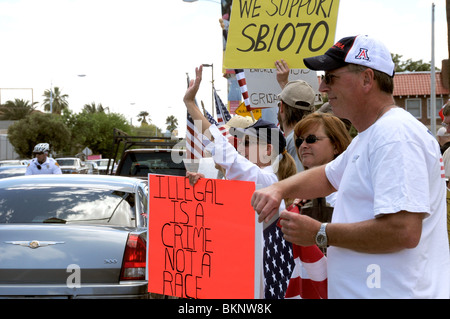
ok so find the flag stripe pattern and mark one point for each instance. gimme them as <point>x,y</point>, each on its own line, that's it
<point>240,76</point>
<point>194,147</point>
<point>309,279</point>
<point>223,116</point>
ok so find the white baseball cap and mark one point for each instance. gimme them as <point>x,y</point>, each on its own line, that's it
<point>361,49</point>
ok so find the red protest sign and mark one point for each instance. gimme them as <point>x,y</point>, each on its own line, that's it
<point>201,238</point>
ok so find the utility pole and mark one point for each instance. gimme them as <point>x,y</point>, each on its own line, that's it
<point>433,78</point>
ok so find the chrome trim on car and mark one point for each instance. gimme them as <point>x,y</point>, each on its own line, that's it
<point>33,244</point>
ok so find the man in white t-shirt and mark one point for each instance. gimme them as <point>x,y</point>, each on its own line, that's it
<point>388,236</point>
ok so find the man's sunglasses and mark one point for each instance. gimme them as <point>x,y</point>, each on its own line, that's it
<point>310,139</point>
<point>328,77</point>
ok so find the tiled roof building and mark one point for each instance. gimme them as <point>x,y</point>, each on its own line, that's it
<point>412,91</point>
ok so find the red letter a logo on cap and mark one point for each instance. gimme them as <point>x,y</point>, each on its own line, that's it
<point>362,55</point>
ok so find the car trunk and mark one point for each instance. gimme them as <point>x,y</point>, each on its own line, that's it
<point>60,253</point>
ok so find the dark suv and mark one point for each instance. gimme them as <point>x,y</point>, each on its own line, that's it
<point>141,162</point>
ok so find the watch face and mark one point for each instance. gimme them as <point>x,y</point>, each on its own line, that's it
<point>321,239</point>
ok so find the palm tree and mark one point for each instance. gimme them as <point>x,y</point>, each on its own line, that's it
<point>142,116</point>
<point>16,110</point>
<point>93,108</point>
<point>59,101</point>
<point>172,123</point>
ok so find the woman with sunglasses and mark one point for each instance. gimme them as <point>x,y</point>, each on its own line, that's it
<point>320,138</point>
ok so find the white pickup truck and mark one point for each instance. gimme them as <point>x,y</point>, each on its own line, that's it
<point>72,165</point>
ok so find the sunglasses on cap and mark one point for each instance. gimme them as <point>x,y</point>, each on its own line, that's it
<point>310,139</point>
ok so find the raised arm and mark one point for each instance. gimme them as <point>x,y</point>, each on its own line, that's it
<point>282,72</point>
<point>200,120</point>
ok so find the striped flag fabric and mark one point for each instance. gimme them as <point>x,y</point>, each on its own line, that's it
<point>194,145</point>
<point>194,149</point>
<point>223,116</point>
<point>309,278</point>
<point>240,76</point>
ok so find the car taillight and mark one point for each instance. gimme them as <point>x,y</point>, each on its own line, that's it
<point>133,266</point>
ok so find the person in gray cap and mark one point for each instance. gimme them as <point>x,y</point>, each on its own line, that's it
<point>388,235</point>
<point>295,101</point>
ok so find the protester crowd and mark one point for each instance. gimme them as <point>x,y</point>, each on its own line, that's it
<point>375,204</point>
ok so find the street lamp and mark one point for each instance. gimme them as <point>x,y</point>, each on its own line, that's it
<point>208,65</point>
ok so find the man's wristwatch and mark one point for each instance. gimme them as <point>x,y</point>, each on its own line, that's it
<point>321,237</point>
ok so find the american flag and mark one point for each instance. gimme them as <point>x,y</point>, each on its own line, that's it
<point>194,140</point>
<point>223,116</point>
<point>278,262</point>
<point>309,278</point>
<point>194,145</point>
<point>209,117</point>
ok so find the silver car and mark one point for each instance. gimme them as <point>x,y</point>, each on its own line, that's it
<point>73,236</point>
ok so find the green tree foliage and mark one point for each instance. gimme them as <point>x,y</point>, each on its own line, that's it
<point>146,130</point>
<point>38,128</point>
<point>95,130</point>
<point>94,108</point>
<point>410,65</point>
<point>16,110</point>
<point>172,123</point>
<point>142,118</point>
<point>59,101</point>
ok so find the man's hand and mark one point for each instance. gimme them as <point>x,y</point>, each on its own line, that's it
<point>194,85</point>
<point>194,177</point>
<point>266,202</point>
<point>299,229</point>
<point>282,72</point>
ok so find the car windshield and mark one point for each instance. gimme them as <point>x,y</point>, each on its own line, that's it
<point>141,164</point>
<point>103,162</point>
<point>67,162</point>
<point>67,204</point>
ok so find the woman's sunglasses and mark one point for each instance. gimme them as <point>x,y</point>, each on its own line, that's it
<point>310,139</point>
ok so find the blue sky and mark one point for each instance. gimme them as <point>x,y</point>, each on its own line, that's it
<point>135,53</point>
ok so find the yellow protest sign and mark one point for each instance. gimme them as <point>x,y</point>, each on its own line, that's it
<point>242,111</point>
<point>263,31</point>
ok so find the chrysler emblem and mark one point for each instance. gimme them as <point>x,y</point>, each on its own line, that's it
<point>34,243</point>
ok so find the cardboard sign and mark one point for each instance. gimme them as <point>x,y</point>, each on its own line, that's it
<point>263,88</point>
<point>263,31</point>
<point>201,238</point>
